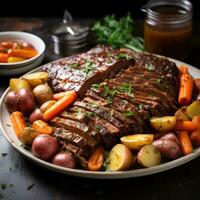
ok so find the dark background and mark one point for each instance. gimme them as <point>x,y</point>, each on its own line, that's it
<point>78,8</point>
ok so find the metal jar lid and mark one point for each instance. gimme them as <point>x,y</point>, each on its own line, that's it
<point>68,37</point>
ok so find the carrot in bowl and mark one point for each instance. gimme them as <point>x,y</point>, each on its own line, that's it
<point>4,57</point>
<point>22,53</point>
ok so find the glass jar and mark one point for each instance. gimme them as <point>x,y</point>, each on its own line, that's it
<point>168,27</point>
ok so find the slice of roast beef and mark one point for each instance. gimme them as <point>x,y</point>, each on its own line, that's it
<point>81,71</point>
<point>70,137</point>
<point>78,127</point>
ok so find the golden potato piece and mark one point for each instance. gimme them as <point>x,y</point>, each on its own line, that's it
<point>181,114</point>
<point>149,156</point>
<point>28,135</point>
<point>193,109</point>
<point>16,84</point>
<point>120,158</point>
<point>165,123</point>
<point>137,141</point>
<point>36,78</point>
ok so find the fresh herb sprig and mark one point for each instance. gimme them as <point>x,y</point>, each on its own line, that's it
<point>88,67</point>
<point>126,87</point>
<point>118,33</point>
<point>128,114</point>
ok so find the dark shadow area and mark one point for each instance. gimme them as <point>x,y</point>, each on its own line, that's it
<point>79,9</point>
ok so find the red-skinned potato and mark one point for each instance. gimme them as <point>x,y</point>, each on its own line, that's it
<point>11,101</point>
<point>170,136</point>
<point>26,101</point>
<point>36,115</point>
<point>64,159</point>
<point>45,147</point>
<point>168,148</point>
<point>148,156</point>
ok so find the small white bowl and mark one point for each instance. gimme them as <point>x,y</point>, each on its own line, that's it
<point>34,40</point>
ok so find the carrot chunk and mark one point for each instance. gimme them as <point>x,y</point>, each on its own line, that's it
<point>60,105</point>
<point>185,142</point>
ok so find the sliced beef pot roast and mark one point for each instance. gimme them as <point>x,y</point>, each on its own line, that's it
<point>119,90</point>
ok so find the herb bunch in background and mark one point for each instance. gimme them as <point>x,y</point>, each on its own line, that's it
<point>118,33</point>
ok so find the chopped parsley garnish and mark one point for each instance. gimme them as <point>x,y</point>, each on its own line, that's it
<point>1,196</point>
<point>126,87</point>
<point>90,114</point>
<point>124,56</point>
<point>89,66</point>
<point>106,163</point>
<point>74,65</point>
<point>150,67</point>
<point>128,114</point>
<point>158,81</point>
<point>78,110</point>
<point>110,93</point>
<point>97,126</point>
<point>96,86</point>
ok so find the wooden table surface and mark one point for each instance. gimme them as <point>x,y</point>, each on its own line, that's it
<point>20,179</point>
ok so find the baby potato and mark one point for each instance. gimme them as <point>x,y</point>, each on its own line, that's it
<point>36,115</point>
<point>26,101</point>
<point>168,148</point>
<point>27,135</point>
<point>193,109</point>
<point>16,84</point>
<point>149,156</point>
<point>43,93</point>
<point>120,158</point>
<point>137,141</point>
<point>45,147</point>
<point>170,136</point>
<point>36,78</point>
<point>64,159</point>
<point>165,123</point>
